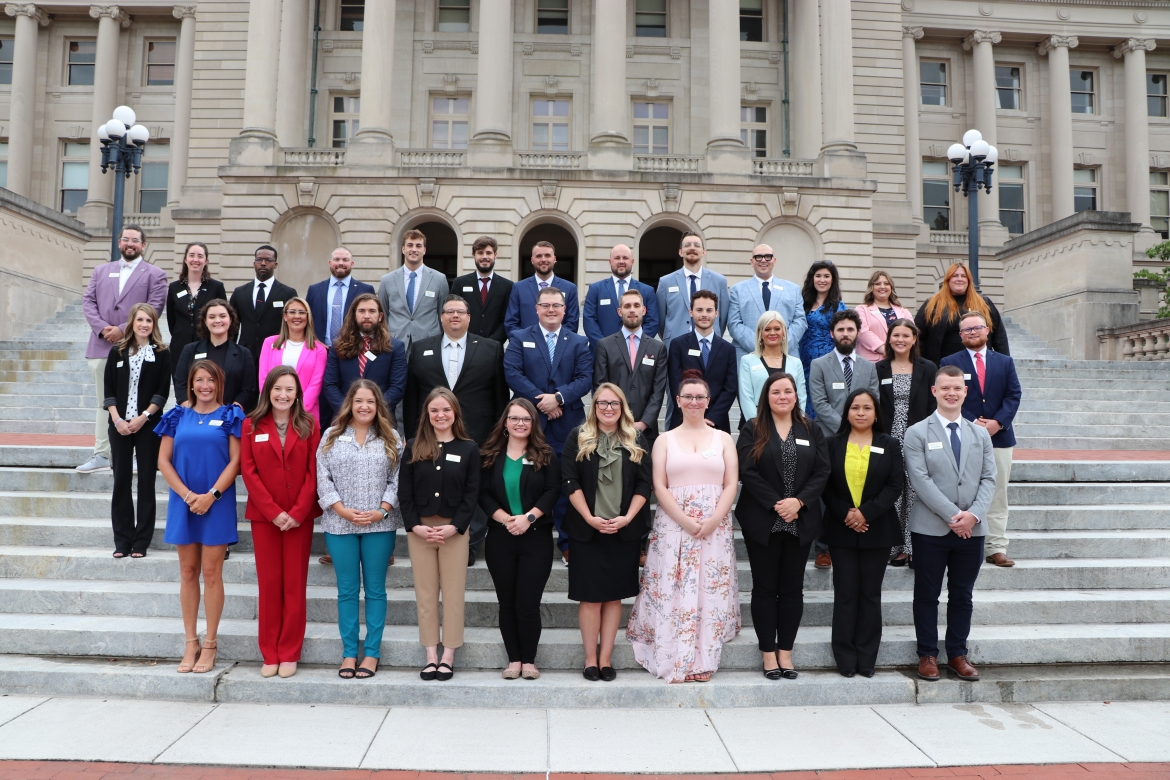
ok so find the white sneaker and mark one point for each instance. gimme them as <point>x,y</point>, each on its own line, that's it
<point>96,463</point>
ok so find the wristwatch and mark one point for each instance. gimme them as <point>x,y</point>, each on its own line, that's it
<point>531,518</point>
<point>385,512</point>
<point>216,494</point>
<point>560,399</point>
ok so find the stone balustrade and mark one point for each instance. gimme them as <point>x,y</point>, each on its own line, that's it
<point>666,163</point>
<point>949,237</point>
<point>143,220</point>
<point>431,158</point>
<point>1148,340</point>
<point>314,157</point>
<point>764,167</point>
<point>557,160</point>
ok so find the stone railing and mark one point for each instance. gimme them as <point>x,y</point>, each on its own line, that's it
<point>666,163</point>
<point>143,220</point>
<point>314,157</point>
<point>763,167</point>
<point>949,237</point>
<point>1148,340</point>
<point>558,160</point>
<point>430,158</point>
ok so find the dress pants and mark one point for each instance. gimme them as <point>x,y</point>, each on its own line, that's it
<point>520,567</point>
<point>101,436</point>
<point>777,589</point>
<point>960,560</point>
<point>128,535</point>
<point>439,568</point>
<point>857,606</point>
<point>282,572</point>
<point>996,540</point>
<point>361,560</point>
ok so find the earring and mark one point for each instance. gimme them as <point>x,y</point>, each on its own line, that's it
<point>506,434</point>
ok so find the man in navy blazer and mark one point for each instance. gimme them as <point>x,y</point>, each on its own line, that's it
<point>993,398</point>
<point>603,300</point>
<point>522,301</point>
<point>329,300</point>
<point>705,350</point>
<point>364,334</point>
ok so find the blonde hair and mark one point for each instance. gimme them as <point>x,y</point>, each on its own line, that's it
<point>129,341</point>
<point>764,321</point>
<point>310,334</point>
<point>590,430</point>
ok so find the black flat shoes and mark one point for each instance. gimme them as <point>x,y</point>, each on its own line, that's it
<point>428,672</point>
<point>591,673</point>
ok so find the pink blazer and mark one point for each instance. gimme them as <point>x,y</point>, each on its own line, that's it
<point>310,369</point>
<point>871,342</point>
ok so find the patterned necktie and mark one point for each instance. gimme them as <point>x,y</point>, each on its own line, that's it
<point>706,350</point>
<point>552,346</point>
<point>956,447</point>
<point>766,293</point>
<point>452,365</point>
<point>847,367</point>
<point>483,292</point>
<point>410,292</point>
<point>544,285</point>
<point>362,357</point>
<point>980,370</point>
<point>260,295</point>
<point>633,352</point>
<point>335,312</point>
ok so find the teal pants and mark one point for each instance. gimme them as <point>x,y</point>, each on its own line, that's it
<point>361,560</point>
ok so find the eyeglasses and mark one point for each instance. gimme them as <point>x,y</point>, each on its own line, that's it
<point>608,404</point>
<point>130,241</point>
<point>973,331</point>
<point>460,312</point>
<point>553,306</point>
<point>295,311</point>
<point>763,258</point>
<point>519,420</point>
<point>690,399</point>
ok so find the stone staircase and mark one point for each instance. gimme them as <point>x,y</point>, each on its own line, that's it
<point>45,384</point>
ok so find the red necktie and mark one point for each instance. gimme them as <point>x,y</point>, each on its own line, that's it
<point>362,357</point>
<point>980,370</point>
<point>483,292</point>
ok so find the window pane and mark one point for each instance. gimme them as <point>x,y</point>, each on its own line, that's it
<point>642,138</point>
<point>651,6</point>
<point>1013,221</point>
<point>1085,175</point>
<point>77,150</point>
<point>937,219</point>
<point>454,20</point>
<point>3,174</point>
<point>1082,103</point>
<point>458,135</point>
<point>81,75</point>
<point>751,20</point>
<point>935,168</point>
<point>1014,172</point>
<point>152,201</point>
<point>439,105</point>
<point>936,193</point>
<point>339,135</point>
<point>72,200</point>
<point>460,105</point>
<point>660,110</point>
<point>560,138</point>
<point>160,75</point>
<point>154,176</point>
<point>1085,198</point>
<point>82,52</point>
<point>439,135</point>
<point>933,95</point>
<point>552,17</point>
<point>661,137</point>
<point>1011,196</point>
<point>1081,80</point>
<point>1160,203</point>
<point>1155,106</point>
<point>5,72</point>
<point>1157,178</point>
<point>161,52</point>
<point>1156,84</point>
<point>540,136</point>
<point>353,14</point>
<point>760,142</point>
<point>560,108</point>
<point>75,176</point>
<point>540,108</point>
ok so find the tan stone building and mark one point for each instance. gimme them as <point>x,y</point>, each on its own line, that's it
<point>819,128</point>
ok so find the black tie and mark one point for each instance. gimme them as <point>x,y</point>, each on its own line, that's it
<point>847,367</point>
<point>260,295</point>
<point>956,447</point>
<point>767,293</point>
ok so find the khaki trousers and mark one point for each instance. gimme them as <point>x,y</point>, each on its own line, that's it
<point>101,430</point>
<point>997,515</point>
<point>439,568</point>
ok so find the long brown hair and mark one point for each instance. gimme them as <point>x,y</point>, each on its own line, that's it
<point>915,349</point>
<point>201,331</point>
<point>868,299</point>
<point>426,443</point>
<point>538,450</point>
<point>348,343</point>
<point>763,421</point>
<point>129,341</point>
<point>216,375</point>
<point>944,304</point>
<point>310,333</point>
<point>380,427</point>
<point>183,271</point>
<point>627,434</point>
<point>299,420</point>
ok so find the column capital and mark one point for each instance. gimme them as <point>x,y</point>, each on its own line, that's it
<point>27,9</point>
<point>183,12</point>
<point>110,12</point>
<point>1133,44</point>
<point>981,36</point>
<point>1057,42</point>
<point>912,32</point>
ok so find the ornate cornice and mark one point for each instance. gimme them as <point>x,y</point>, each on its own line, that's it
<point>27,9</point>
<point>1057,42</point>
<point>1133,44</point>
<point>184,12</point>
<point>110,12</point>
<point>981,36</point>
<point>912,32</point>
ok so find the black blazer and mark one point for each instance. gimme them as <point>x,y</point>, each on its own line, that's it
<point>447,488</point>
<point>183,308</point>
<point>883,485</point>
<point>480,389</point>
<point>763,482</point>
<point>239,385</point>
<point>539,489</point>
<point>154,383</point>
<point>942,339</point>
<point>922,400</point>
<point>255,326</point>
<point>721,374</point>
<point>486,320</point>
<point>637,480</point>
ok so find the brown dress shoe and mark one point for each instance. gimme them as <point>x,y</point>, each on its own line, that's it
<point>927,667</point>
<point>962,667</point>
<point>999,559</point>
<point>823,561</point>
<point>325,560</point>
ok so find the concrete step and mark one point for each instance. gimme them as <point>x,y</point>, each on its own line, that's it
<point>56,402</point>
<point>1136,391</point>
<point>1051,442</point>
<point>1074,429</point>
<point>41,414</point>
<point>1104,406</point>
<point>44,457</point>
<point>43,365</point>
<point>1101,517</point>
<point>72,428</point>
<point>1053,417</point>
<point>1076,472</point>
<point>67,386</point>
<point>9,374</point>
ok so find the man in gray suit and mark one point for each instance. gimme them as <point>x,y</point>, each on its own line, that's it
<point>833,376</point>
<point>634,362</point>
<point>413,293</point>
<point>951,465</point>
<point>676,288</point>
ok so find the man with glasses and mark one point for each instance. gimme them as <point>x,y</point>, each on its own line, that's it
<point>522,301</point>
<point>602,316</point>
<point>636,362</point>
<point>993,398</point>
<point>486,292</point>
<point>764,292</point>
<point>260,303</point>
<point>676,289</point>
<point>112,290</point>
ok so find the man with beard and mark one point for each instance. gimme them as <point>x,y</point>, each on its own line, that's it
<point>636,362</point>
<point>602,316</point>
<point>260,303</point>
<point>676,290</point>
<point>329,300</point>
<point>112,290</point>
<point>485,291</point>
<point>522,304</point>
<point>365,349</point>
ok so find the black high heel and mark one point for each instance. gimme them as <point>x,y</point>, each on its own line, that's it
<point>362,673</point>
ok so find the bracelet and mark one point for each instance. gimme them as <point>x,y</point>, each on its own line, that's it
<point>186,496</point>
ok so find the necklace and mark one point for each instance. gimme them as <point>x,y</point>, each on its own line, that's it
<point>202,417</point>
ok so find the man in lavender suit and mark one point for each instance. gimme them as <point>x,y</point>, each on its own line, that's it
<point>113,289</point>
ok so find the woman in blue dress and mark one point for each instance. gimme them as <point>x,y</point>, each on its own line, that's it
<point>199,458</point>
<point>822,299</point>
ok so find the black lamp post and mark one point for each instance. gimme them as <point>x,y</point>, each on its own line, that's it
<point>122,146</point>
<point>974,160</point>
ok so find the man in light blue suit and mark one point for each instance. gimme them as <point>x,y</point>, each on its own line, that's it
<point>603,300</point>
<point>675,290</point>
<point>764,292</point>
<point>522,302</point>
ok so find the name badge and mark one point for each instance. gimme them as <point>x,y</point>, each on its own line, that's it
<point>200,355</point>
<point>215,423</point>
<point>966,377</point>
<point>934,445</point>
<point>757,368</point>
<point>694,353</point>
<point>120,364</point>
<point>345,438</point>
<point>889,381</point>
<point>647,361</point>
<point>370,356</point>
<point>427,352</point>
<point>672,289</point>
<point>278,304</point>
<point>802,442</point>
<point>454,458</point>
<point>878,450</point>
<point>181,294</point>
<point>429,293</point>
<point>529,345</point>
<point>525,462</point>
<point>468,289</point>
<point>777,287</point>
<point>709,454</point>
<point>262,437</point>
<point>116,275</point>
<point>838,385</point>
<point>605,302</point>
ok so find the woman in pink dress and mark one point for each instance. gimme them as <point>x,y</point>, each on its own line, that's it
<point>689,602</point>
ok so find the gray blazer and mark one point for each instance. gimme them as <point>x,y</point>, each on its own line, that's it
<point>674,303</point>
<point>645,387</point>
<point>424,321</point>
<point>826,388</point>
<point>942,488</point>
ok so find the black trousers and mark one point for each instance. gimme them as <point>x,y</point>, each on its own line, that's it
<point>777,589</point>
<point>128,534</point>
<point>960,560</point>
<point>857,606</point>
<point>520,567</point>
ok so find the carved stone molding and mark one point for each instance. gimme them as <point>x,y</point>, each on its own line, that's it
<point>110,12</point>
<point>1057,42</point>
<point>183,11</point>
<point>27,9</point>
<point>912,32</point>
<point>1133,44</point>
<point>981,36</point>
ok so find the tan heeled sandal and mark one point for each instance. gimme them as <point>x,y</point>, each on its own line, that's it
<point>186,668</point>
<point>202,668</point>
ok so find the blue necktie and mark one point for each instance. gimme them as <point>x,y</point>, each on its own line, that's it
<point>956,447</point>
<point>410,292</point>
<point>766,292</point>
<point>694,285</point>
<point>706,349</point>
<point>335,312</point>
<point>552,346</point>
<point>621,290</point>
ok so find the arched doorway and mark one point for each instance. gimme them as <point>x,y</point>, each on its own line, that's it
<point>442,249</point>
<point>564,244</point>
<point>658,254</point>
<point>303,243</point>
<point>795,248</point>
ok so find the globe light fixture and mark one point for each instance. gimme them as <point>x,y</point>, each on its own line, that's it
<point>122,142</point>
<point>973,160</point>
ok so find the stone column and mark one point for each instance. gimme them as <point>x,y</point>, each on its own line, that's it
<point>184,78</point>
<point>609,142</point>
<point>373,144</point>
<point>982,118</point>
<point>22,115</point>
<point>839,155</point>
<point>1059,121</point>
<point>911,102</point>
<point>1137,134</point>
<point>725,150</point>
<point>292,81</point>
<point>805,82</point>
<point>491,145</point>
<point>256,144</point>
<point>99,202</point>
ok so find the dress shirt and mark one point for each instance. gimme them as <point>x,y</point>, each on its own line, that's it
<point>459,348</point>
<point>617,283</point>
<point>982,354</point>
<point>841,359</point>
<point>945,422</point>
<point>547,333</point>
<point>329,303</point>
<point>125,269</point>
<point>406,272</point>
<point>540,281</point>
<point>360,478</point>
<point>267,284</point>
<point>698,280</point>
<point>491,277</point>
<point>291,353</point>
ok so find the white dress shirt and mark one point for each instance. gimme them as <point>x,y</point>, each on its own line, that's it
<point>841,359</point>
<point>453,354</point>
<point>629,281</point>
<point>125,269</point>
<point>540,281</point>
<point>944,422</point>
<point>266,284</point>
<point>981,352</point>
<point>291,353</point>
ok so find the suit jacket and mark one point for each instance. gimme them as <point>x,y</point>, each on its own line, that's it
<point>487,320</point>
<point>637,480</point>
<point>387,370</point>
<point>154,383</point>
<point>752,376</point>
<point>310,370</point>
<point>763,482</point>
<point>674,302</point>
<point>522,305</point>
<point>539,489</point>
<point>448,487</point>
<point>181,313</point>
<point>922,402</point>
<point>883,485</point>
<point>645,386</point>
<point>103,305</point>
<point>239,370</point>
<point>999,399</point>
<point>529,373</point>
<point>826,388</point>
<point>279,479</point>
<point>941,487</point>
<point>257,325</point>
<point>747,304</point>
<point>602,316</point>
<point>320,301</point>
<point>721,374</point>
<point>871,340</point>
<point>480,388</point>
<point>423,322</point>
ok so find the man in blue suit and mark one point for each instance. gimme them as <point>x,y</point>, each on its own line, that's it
<point>329,300</point>
<point>553,368</point>
<point>702,348</point>
<point>603,300</point>
<point>764,292</point>
<point>522,302</point>
<point>993,398</point>
<point>676,289</point>
<point>365,349</point>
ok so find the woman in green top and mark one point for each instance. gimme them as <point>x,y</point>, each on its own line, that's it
<point>520,485</point>
<point>865,480</point>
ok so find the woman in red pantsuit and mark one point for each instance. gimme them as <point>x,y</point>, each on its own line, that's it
<point>279,465</point>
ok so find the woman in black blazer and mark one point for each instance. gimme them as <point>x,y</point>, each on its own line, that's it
<point>438,492</point>
<point>520,486</point>
<point>905,379</point>
<point>217,328</point>
<point>187,295</point>
<point>783,465</point>
<point>865,479</point>
<point>605,472</point>
<point>137,385</point>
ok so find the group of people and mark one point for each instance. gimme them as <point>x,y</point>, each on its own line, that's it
<point>458,414</point>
